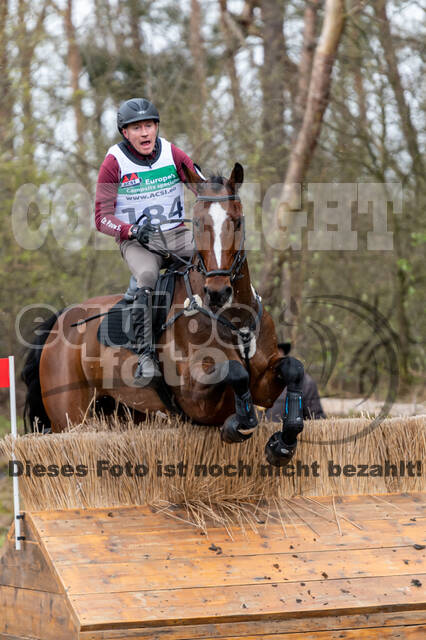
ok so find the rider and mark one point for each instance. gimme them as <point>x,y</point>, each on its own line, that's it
<point>140,187</point>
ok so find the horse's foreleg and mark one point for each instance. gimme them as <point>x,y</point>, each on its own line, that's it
<point>282,445</point>
<point>240,425</point>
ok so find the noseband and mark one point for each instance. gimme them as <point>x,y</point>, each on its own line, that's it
<point>240,257</point>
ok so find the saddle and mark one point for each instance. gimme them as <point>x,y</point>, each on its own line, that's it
<point>116,328</point>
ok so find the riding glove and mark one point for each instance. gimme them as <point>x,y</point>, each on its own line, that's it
<point>142,232</point>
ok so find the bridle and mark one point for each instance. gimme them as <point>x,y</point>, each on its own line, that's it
<point>240,257</point>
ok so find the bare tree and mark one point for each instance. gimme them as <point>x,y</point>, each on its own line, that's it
<point>306,60</point>
<point>388,45</point>
<point>196,44</point>
<point>6,101</point>
<point>232,39</point>
<point>272,79</point>
<point>75,67</point>
<point>306,140</point>
<point>317,100</point>
<point>27,41</point>
<point>134,8</point>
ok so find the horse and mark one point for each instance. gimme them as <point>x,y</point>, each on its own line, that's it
<point>218,350</point>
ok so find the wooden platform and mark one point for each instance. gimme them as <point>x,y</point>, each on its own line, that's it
<point>355,570</point>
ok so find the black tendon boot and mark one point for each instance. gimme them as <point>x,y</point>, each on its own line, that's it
<point>147,368</point>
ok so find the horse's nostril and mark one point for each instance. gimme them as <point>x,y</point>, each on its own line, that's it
<point>228,291</point>
<point>205,289</point>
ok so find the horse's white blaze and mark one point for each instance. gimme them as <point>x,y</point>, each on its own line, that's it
<point>218,215</point>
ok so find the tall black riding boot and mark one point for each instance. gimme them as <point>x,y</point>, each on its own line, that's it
<point>147,368</point>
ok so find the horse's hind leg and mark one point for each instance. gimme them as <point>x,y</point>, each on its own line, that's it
<point>68,406</point>
<point>240,425</point>
<point>281,446</point>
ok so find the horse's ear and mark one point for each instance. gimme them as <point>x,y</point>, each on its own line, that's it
<point>237,177</point>
<point>193,177</point>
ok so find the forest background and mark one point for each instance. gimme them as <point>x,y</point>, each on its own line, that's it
<point>311,92</point>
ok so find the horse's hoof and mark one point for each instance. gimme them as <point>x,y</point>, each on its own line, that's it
<point>277,453</point>
<point>230,432</point>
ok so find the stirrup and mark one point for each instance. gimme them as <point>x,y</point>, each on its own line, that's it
<point>147,367</point>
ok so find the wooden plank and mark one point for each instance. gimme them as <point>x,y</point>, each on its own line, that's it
<point>393,633</point>
<point>3,636</point>
<point>380,508</point>
<point>104,521</point>
<point>155,545</point>
<point>26,531</point>
<point>97,521</point>
<point>244,602</point>
<point>399,500</point>
<point>260,628</point>
<point>219,571</point>
<point>27,568</point>
<point>35,614</point>
<point>164,523</point>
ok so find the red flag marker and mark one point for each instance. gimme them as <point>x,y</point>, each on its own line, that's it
<point>4,373</point>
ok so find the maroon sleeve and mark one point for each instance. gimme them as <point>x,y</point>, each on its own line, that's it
<point>181,158</point>
<point>106,198</point>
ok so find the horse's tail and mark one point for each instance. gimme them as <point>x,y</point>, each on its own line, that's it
<point>34,411</point>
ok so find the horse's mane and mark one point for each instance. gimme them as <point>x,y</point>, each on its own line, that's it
<point>216,180</point>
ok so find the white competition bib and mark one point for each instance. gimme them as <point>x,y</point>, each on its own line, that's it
<point>154,193</point>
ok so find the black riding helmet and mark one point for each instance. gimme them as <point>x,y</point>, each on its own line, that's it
<point>135,110</point>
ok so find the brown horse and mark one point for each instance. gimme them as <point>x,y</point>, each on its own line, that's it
<point>218,352</point>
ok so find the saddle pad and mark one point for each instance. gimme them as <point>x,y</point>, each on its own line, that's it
<point>116,329</point>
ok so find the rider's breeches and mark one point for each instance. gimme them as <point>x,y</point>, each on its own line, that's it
<point>144,264</point>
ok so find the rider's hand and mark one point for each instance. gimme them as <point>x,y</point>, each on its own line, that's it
<point>142,232</point>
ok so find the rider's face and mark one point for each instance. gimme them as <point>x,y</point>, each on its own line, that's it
<point>142,135</point>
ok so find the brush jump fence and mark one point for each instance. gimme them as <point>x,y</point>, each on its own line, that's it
<point>173,553</point>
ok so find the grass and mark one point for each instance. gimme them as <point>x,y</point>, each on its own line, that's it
<point>6,497</point>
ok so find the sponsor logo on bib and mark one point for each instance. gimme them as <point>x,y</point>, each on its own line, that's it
<point>145,182</point>
<point>130,180</point>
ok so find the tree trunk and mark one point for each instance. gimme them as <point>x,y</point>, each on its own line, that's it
<point>318,97</point>
<point>303,149</point>
<point>306,60</point>
<point>272,80</point>
<point>231,48</point>
<point>27,41</point>
<point>74,64</point>
<point>417,172</point>
<point>394,77</point>
<point>196,45</point>
<point>6,130</point>
<point>135,15</point>
<point>26,50</point>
